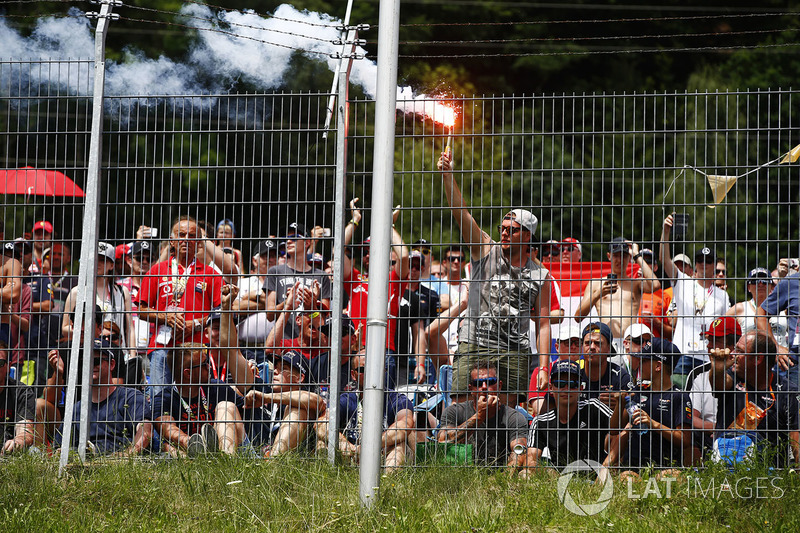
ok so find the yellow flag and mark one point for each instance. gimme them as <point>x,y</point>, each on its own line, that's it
<point>720,185</point>
<point>792,156</point>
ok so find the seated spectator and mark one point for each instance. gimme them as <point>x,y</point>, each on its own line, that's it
<point>636,336</point>
<point>602,376</point>
<point>252,301</point>
<point>399,439</point>
<point>42,238</point>
<point>17,407</point>
<point>225,234</point>
<point>497,431</point>
<point>570,430</point>
<point>571,250</point>
<point>757,412</point>
<point>55,265</point>
<point>119,417</point>
<point>138,260</point>
<point>760,285</point>
<point>660,415</point>
<point>199,414</point>
<point>616,297</point>
<point>568,345</point>
<point>285,411</point>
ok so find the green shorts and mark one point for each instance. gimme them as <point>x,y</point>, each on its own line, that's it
<point>513,368</point>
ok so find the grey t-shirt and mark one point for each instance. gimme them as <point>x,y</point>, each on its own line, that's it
<point>491,442</point>
<point>281,277</point>
<point>501,299</point>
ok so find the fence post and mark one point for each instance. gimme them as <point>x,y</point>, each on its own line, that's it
<point>87,281</point>
<point>379,248</point>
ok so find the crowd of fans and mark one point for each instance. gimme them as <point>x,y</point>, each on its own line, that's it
<point>484,361</point>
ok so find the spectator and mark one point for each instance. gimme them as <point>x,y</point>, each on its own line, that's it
<point>684,264</point>
<point>722,334</point>
<point>418,307</point>
<point>199,414</point>
<point>17,405</point>
<point>698,302</point>
<point>55,265</point>
<point>602,376</point>
<point>571,250</point>
<point>280,278</point>
<point>785,267</point>
<point>177,296</point>
<point>10,288</point>
<point>551,251</point>
<point>760,285</point>
<point>634,338</point>
<point>119,417</point>
<point>15,316</point>
<point>721,277</point>
<point>138,259</point>
<point>252,301</point>
<point>757,410</point>
<point>424,248</point>
<point>398,440</point>
<point>617,297</point>
<point>39,338</point>
<point>568,346</point>
<point>509,291</point>
<point>568,429</point>
<point>784,297</point>
<point>660,415</point>
<point>497,431</point>
<point>42,238</point>
<point>225,234</point>
<point>654,306</point>
<point>453,287</point>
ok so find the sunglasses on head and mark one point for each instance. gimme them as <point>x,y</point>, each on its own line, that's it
<point>565,384</point>
<point>480,381</point>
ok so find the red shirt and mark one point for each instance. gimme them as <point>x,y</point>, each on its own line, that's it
<point>202,293</point>
<point>307,352</point>
<point>357,309</point>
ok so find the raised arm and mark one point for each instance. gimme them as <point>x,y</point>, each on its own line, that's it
<point>664,250</point>
<point>275,337</point>
<point>721,360</point>
<point>404,265</point>
<point>355,220</point>
<point>543,338</point>
<point>241,373</point>
<point>10,281</point>
<point>477,240</point>
<point>647,282</point>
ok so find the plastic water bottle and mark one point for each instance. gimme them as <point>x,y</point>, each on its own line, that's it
<point>632,407</point>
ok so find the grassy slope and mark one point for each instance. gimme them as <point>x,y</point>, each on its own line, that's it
<point>289,494</point>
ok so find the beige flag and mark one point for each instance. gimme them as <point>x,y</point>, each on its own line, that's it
<point>792,155</point>
<point>720,185</point>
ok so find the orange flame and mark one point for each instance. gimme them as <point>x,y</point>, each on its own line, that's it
<point>444,115</point>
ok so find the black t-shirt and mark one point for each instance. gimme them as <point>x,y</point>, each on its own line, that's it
<point>421,305</point>
<point>17,402</point>
<point>616,378</point>
<point>582,437</point>
<point>492,441</point>
<point>191,413</point>
<point>319,372</point>
<point>781,412</point>
<point>671,408</point>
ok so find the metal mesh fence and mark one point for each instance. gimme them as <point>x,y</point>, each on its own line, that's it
<point>216,209</point>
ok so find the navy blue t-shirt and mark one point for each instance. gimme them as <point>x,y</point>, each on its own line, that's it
<point>350,415</point>
<point>671,408</point>
<point>191,413</point>
<point>616,378</point>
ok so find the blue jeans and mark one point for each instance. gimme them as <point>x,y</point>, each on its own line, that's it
<point>160,375</point>
<point>792,375</point>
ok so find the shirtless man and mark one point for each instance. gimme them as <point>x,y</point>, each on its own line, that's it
<point>10,287</point>
<point>617,297</point>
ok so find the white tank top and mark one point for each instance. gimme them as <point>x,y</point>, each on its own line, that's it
<point>779,324</point>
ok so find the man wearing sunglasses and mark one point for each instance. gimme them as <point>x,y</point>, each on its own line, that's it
<point>119,417</point>
<point>569,428</point>
<point>497,431</point>
<point>454,288</point>
<point>755,404</point>
<point>508,290</point>
<point>17,406</point>
<point>697,301</point>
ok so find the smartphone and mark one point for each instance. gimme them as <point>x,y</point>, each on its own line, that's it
<point>153,233</point>
<point>326,232</point>
<point>681,225</point>
<point>612,277</point>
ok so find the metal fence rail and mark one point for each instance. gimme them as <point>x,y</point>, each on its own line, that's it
<point>589,167</point>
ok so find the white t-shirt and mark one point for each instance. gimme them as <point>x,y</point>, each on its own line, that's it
<point>255,328</point>
<point>779,324</point>
<point>702,399</point>
<point>696,308</point>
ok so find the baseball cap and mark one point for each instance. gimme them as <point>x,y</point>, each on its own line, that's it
<point>619,244</point>
<point>722,326</point>
<point>141,248</point>
<point>568,331</point>
<point>267,246</point>
<point>416,254</point>
<point>317,258</point>
<point>17,248</point>
<point>121,250</point>
<point>648,255</point>
<point>294,359</point>
<point>295,228</point>
<point>105,348</point>
<point>659,349</point>
<point>106,250</point>
<point>347,325</point>
<point>635,331</point>
<point>420,244</point>
<point>214,314</point>
<point>565,367</point>
<point>601,328</point>
<point>705,255</point>
<point>575,242</point>
<point>526,219</point>
<point>759,273</point>
<point>683,258</point>
<point>43,225</point>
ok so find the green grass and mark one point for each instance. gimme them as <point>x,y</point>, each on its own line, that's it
<point>293,494</point>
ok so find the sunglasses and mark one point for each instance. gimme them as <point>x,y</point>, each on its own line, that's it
<point>3,362</point>
<point>110,338</point>
<point>639,340</point>
<point>511,229</point>
<point>720,271</point>
<point>760,282</point>
<point>565,384</point>
<point>359,370</point>
<point>569,248</point>
<point>551,251</point>
<point>480,381</point>
<point>393,262</point>
<point>454,258</point>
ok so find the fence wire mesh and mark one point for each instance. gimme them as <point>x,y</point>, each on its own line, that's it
<point>643,217</point>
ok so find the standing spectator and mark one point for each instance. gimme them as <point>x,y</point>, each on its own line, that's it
<point>697,299</point>
<point>453,287</point>
<point>571,250</point>
<point>509,291</point>
<point>654,306</point>
<point>784,297</point>
<point>42,238</point>
<point>684,264</point>
<point>617,297</point>
<point>497,431</point>
<point>56,260</point>
<point>17,406</point>
<point>138,259</point>
<point>15,316</point>
<point>760,285</point>
<point>756,406</point>
<point>551,250</point>
<point>177,296</point>
<point>281,277</point>
<point>10,287</point>
<point>721,277</point>
<point>225,234</point>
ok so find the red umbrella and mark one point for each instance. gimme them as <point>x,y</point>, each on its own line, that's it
<point>37,182</point>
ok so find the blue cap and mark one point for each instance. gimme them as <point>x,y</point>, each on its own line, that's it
<point>660,350</point>
<point>598,327</point>
<point>565,367</point>
<point>293,358</point>
<point>106,349</point>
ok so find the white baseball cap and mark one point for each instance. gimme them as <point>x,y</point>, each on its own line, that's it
<point>635,331</point>
<point>567,331</point>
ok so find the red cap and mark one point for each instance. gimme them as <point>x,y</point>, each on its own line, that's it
<point>575,242</point>
<point>121,250</point>
<point>43,224</point>
<point>724,325</point>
